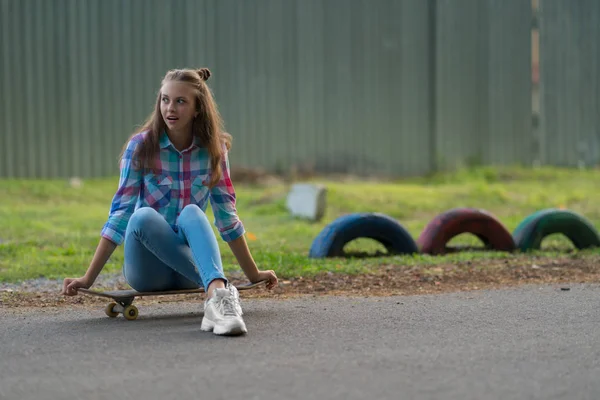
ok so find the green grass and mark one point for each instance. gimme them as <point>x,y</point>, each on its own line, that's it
<point>49,229</point>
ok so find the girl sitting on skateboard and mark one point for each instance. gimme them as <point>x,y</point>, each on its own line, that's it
<point>168,172</point>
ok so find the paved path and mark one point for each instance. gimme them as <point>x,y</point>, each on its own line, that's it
<point>528,343</point>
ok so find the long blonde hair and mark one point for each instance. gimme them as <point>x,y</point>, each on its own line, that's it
<point>207,126</point>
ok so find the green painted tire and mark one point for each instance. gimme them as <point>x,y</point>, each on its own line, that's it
<point>532,230</point>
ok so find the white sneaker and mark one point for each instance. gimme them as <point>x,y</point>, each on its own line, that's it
<point>236,296</point>
<point>222,313</point>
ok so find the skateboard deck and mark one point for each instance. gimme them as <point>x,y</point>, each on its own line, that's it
<point>123,299</point>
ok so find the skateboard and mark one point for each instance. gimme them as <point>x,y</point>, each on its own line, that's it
<point>123,299</point>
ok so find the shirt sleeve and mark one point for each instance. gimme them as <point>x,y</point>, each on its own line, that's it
<point>125,199</point>
<point>222,200</point>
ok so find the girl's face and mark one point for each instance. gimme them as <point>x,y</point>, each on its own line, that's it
<point>178,106</point>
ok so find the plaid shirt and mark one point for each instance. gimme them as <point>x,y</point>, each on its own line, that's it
<point>180,182</point>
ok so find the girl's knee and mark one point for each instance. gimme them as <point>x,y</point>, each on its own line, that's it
<point>142,219</point>
<point>192,218</point>
<point>142,216</point>
<point>190,212</point>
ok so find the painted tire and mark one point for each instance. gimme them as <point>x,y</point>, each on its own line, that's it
<point>454,222</point>
<point>532,230</point>
<point>331,240</point>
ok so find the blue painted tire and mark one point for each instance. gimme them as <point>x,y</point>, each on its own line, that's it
<point>331,240</point>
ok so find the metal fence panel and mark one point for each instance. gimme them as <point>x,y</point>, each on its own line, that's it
<point>336,86</point>
<point>359,86</point>
<point>508,133</point>
<point>569,82</point>
<point>483,81</point>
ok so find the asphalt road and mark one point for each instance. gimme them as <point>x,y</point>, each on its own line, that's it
<point>528,343</point>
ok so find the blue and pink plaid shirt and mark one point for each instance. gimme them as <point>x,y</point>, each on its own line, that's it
<point>179,181</point>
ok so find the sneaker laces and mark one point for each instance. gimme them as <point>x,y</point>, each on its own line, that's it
<point>228,306</point>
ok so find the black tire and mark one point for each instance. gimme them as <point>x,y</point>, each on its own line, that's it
<point>532,230</point>
<point>392,235</point>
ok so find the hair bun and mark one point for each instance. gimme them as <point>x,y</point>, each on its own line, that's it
<point>204,73</point>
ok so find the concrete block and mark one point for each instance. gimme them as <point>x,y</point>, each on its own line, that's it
<point>307,201</point>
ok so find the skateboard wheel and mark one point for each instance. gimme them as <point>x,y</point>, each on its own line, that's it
<point>130,312</point>
<point>109,310</point>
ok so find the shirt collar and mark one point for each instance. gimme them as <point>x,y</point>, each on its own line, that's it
<point>164,141</point>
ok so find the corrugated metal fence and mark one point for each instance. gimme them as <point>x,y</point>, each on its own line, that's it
<point>483,81</point>
<point>570,82</point>
<point>360,86</point>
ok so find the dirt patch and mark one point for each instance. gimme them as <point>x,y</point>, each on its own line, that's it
<point>388,281</point>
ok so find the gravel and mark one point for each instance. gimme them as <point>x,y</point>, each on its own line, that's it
<point>44,285</point>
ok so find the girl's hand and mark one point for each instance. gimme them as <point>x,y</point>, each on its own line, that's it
<point>70,285</point>
<point>269,276</point>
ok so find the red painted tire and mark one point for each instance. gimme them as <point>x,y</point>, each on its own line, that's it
<point>454,222</point>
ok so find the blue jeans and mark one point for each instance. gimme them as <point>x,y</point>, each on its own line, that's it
<point>158,258</point>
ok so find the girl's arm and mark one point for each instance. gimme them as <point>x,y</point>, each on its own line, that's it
<point>240,250</point>
<point>103,252</point>
<point>112,235</point>
<point>231,229</point>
